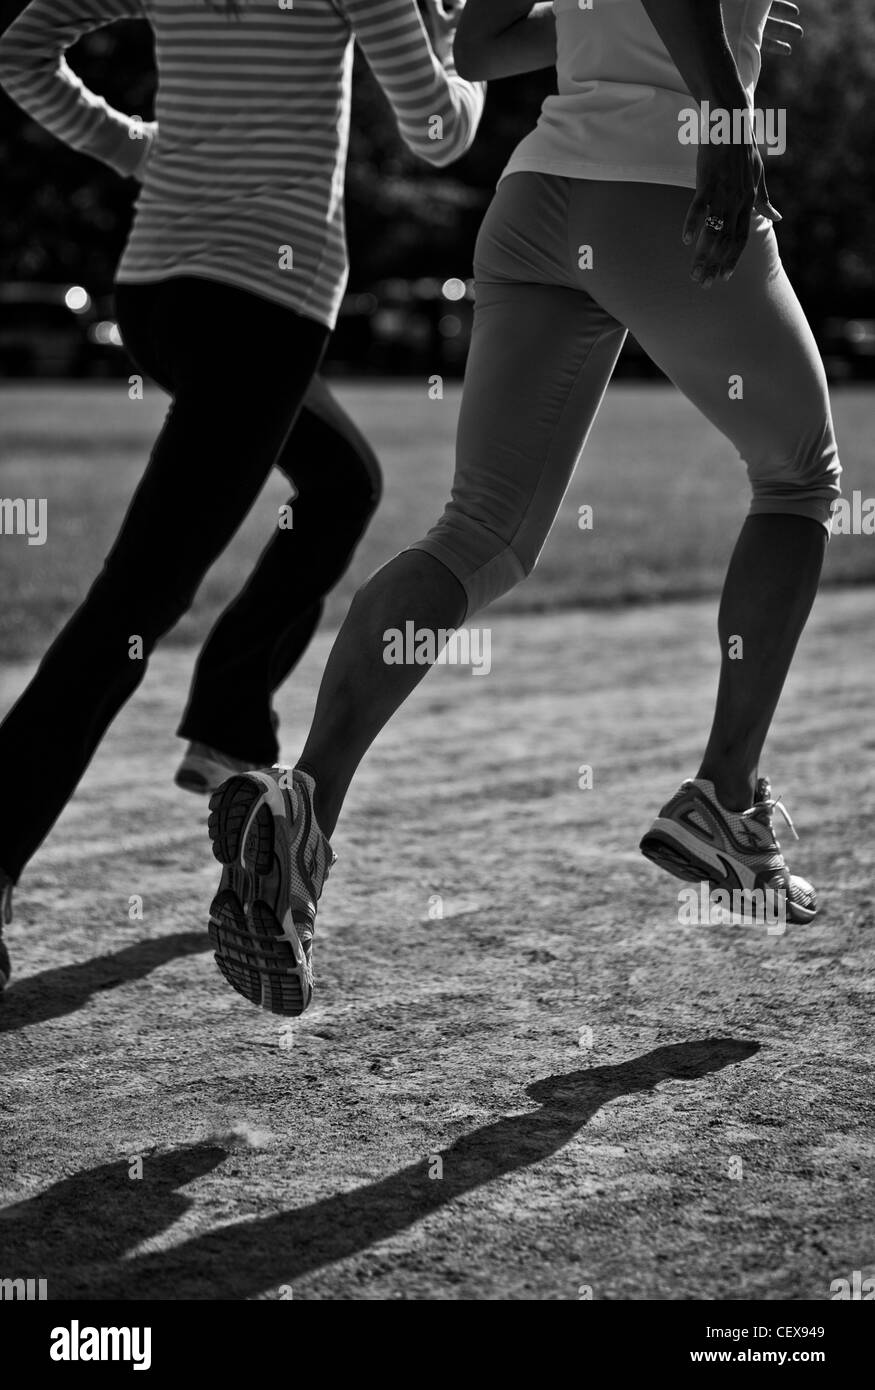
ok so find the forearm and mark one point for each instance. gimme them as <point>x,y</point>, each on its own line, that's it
<point>437,111</point>
<point>693,33</point>
<point>493,41</point>
<point>35,74</point>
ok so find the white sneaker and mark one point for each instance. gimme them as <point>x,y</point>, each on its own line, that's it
<point>203,769</point>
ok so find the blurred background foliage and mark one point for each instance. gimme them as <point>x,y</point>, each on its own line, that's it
<point>67,216</point>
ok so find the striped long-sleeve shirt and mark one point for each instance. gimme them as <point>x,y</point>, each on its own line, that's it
<point>243,171</point>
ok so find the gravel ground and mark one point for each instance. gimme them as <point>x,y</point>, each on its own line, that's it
<point>521,1077</point>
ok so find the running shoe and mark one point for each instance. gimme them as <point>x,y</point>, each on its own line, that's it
<point>696,839</point>
<point>6,887</point>
<point>203,769</point>
<point>275,862</point>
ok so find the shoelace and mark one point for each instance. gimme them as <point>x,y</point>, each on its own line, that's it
<point>773,804</point>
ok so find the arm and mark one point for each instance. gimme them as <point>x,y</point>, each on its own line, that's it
<point>501,38</point>
<point>437,111</point>
<point>35,73</point>
<point>693,33</point>
<point>730,183</point>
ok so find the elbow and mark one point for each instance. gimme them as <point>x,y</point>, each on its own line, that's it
<point>444,145</point>
<point>10,63</point>
<point>438,154</point>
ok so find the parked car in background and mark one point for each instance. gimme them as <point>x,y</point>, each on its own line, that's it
<point>57,331</point>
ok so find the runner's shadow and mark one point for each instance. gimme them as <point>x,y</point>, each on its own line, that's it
<point>243,1259</point>
<point>90,1219</point>
<point>54,993</point>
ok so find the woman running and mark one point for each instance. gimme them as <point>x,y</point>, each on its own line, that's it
<point>591,233</point>
<point>227,292</point>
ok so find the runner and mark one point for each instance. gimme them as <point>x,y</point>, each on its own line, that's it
<point>226,293</point>
<point>591,233</point>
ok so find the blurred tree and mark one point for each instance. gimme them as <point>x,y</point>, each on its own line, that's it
<point>824,185</point>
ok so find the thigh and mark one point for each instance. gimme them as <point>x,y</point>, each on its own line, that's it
<point>239,369</point>
<point>136,307</point>
<point>742,352</point>
<point>541,357</point>
<point>540,361</point>
<point>542,353</point>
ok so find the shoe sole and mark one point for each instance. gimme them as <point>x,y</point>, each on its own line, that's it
<point>679,859</point>
<point>256,946</point>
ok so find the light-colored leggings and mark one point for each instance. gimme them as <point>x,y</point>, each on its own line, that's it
<point>563,267</point>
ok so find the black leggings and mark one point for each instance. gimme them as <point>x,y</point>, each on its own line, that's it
<point>244,397</point>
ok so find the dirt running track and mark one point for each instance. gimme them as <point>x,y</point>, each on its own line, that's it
<point>433,1128</point>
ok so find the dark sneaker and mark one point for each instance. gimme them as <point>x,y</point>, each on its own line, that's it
<point>697,839</point>
<point>275,860</point>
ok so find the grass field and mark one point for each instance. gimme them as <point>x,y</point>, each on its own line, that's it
<point>667,493</point>
<point>521,1078</point>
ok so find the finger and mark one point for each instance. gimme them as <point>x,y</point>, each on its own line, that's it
<point>703,255</point>
<point>738,242</point>
<point>695,218</point>
<point>763,204</point>
<point>719,251</point>
<point>781,31</point>
<point>718,261</point>
<point>776,46</point>
<point>777,32</point>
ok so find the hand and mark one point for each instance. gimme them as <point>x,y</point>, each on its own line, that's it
<point>730,185</point>
<point>441,25</point>
<point>149,140</point>
<point>781,32</point>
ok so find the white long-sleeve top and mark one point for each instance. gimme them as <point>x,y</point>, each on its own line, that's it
<point>243,173</point>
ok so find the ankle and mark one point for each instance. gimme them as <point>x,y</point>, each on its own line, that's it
<point>324,811</point>
<point>734,793</point>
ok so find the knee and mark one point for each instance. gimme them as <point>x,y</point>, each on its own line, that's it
<point>350,491</point>
<point>142,604</point>
<point>486,564</point>
<point>804,480</point>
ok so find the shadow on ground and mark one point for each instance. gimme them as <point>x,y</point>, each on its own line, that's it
<point>55,993</point>
<point>78,1231</point>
